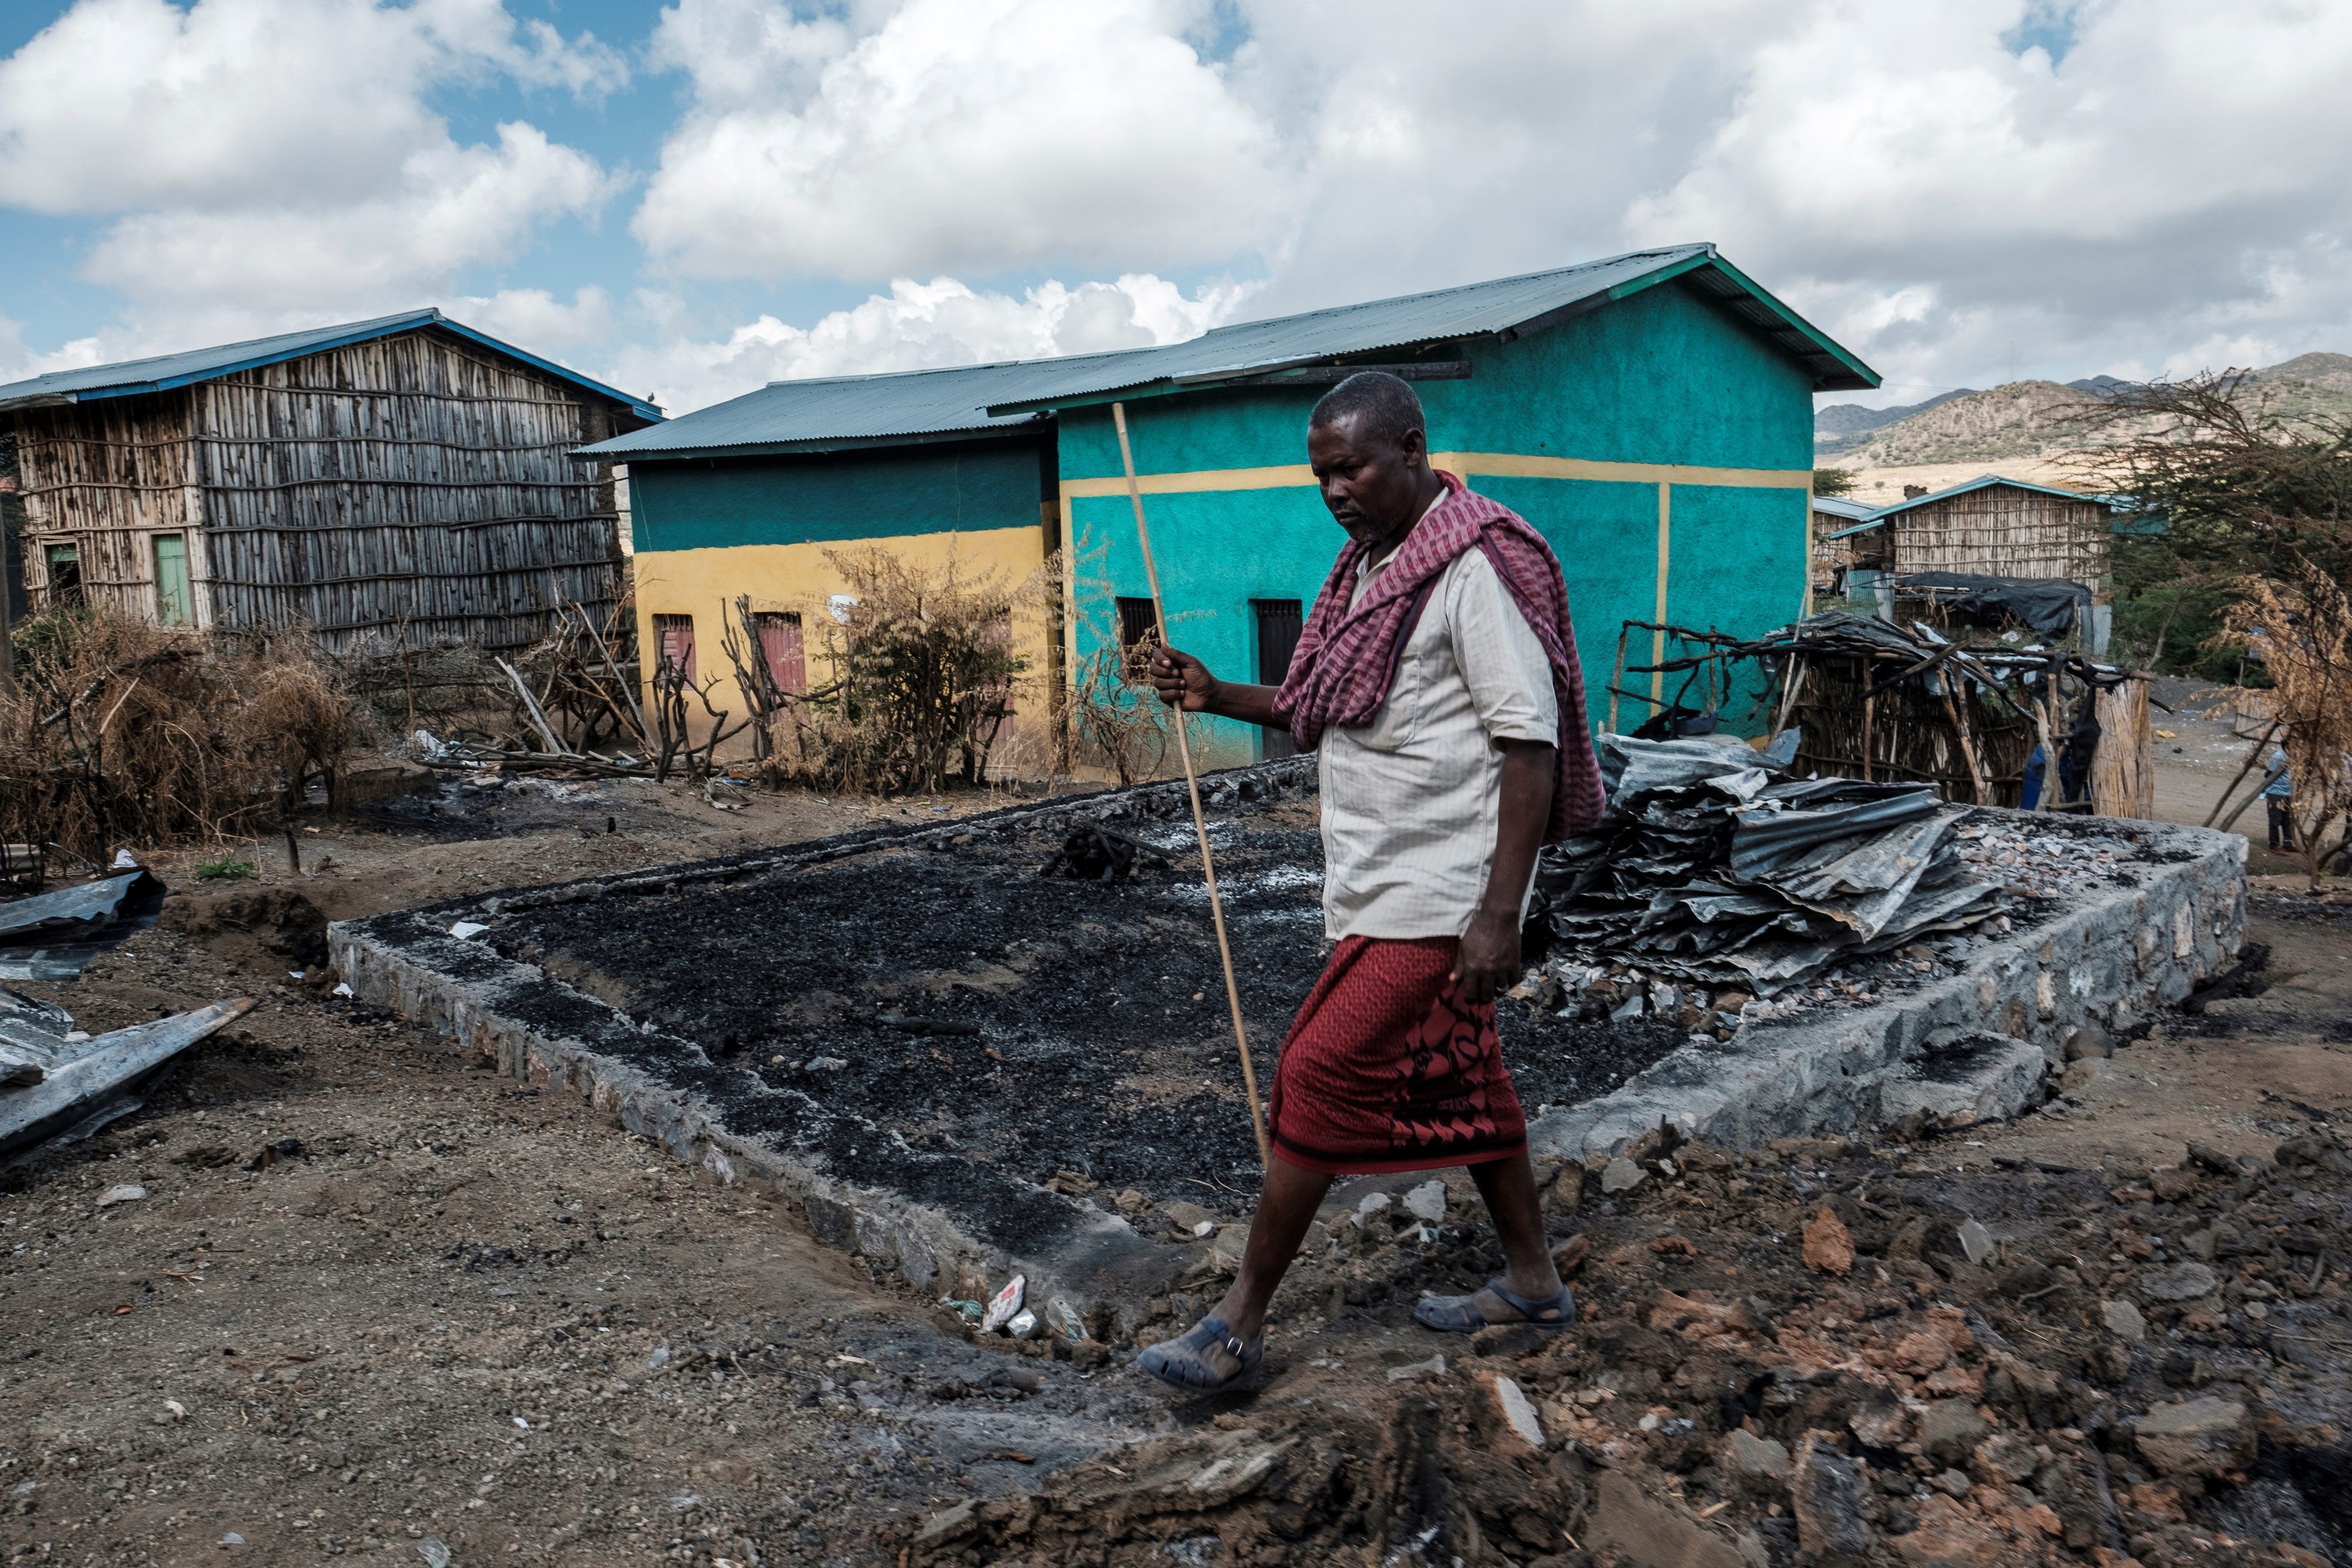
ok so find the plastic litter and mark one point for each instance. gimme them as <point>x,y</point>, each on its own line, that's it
<point>1005,1304</point>
<point>1065,1319</point>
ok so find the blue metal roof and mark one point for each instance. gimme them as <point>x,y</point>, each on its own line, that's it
<point>1879,516</point>
<point>168,371</point>
<point>1839,506</point>
<point>844,411</point>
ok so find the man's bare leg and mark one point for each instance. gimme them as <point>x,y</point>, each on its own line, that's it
<point>1208,1360</point>
<point>1285,1207</point>
<point>1509,1189</point>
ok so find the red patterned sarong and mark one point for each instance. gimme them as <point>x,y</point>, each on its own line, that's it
<point>1386,1068</point>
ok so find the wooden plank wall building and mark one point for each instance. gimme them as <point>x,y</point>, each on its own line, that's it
<point>1992,527</point>
<point>409,479</point>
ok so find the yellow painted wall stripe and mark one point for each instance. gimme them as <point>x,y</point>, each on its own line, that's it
<point>1516,465</point>
<point>1195,480</point>
<point>1069,598</point>
<point>1498,464</point>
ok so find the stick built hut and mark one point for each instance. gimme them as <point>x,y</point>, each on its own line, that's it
<point>1652,413</point>
<point>1988,528</point>
<point>1834,553</point>
<point>1873,701</point>
<point>407,476</point>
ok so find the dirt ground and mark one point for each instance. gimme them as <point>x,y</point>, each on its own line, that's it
<point>377,1304</point>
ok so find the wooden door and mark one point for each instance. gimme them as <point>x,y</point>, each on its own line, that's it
<point>1278,621</point>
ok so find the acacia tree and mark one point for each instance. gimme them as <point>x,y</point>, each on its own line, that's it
<point>2245,543</point>
<point>2223,488</point>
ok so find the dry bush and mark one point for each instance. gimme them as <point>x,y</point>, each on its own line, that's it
<point>2228,485</point>
<point>2303,629</point>
<point>125,732</point>
<point>291,719</point>
<point>449,688</point>
<point>923,675</point>
<point>1119,721</point>
<point>1116,720</point>
<point>584,676</point>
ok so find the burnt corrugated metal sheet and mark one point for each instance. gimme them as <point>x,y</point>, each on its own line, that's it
<point>854,410</point>
<point>168,371</point>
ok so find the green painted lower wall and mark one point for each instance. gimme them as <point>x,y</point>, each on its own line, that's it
<point>1217,551</point>
<point>1740,566</point>
<point>717,503</point>
<point>1737,563</point>
<point>1606,536</point>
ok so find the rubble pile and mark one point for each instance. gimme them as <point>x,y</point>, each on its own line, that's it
<point>1815,1353</point>
<point>2030,862</point>
<point>1713,867</point>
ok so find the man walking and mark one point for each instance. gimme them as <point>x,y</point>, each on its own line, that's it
<point>1438,671</point>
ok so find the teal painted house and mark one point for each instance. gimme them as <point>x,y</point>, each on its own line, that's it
<point>1650,414</point>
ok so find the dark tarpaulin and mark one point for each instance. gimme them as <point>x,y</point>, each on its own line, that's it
<point>2050,605</point>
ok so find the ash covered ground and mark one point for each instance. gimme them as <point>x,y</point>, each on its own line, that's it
<point>1038,1023</point>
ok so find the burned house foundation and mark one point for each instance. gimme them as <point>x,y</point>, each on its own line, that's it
<point>961,1066</point>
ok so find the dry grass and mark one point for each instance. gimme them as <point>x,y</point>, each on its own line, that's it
<point>121,732</point>
<point>2304,630</point>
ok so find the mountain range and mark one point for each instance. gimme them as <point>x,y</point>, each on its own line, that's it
<point>2038,418</point>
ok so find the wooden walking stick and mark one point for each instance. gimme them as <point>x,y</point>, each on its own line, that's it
<point>1193,786</point>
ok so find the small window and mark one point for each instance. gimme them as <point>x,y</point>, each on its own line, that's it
<point>65,574</point>
<point>1138,629</point>
<point>172,595</point>
<point>674,644</point>
<point>781,649</point>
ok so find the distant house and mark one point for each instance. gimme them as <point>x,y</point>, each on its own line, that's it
<point>1989,526</point>
<point>1833,553</point>
<point>1650,413</point>
<point>406,478</point>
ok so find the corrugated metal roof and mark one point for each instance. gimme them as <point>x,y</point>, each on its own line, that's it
<point>1839,506</point>
<point>168,371</point>
<point>855,410</point>
<point>1878,518</point>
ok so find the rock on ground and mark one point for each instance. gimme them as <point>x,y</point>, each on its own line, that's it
<point>2205,1437</point>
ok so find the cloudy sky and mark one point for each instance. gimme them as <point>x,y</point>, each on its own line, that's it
<point>693,200</point>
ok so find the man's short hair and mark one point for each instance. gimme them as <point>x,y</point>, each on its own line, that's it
<point>1384,406</point>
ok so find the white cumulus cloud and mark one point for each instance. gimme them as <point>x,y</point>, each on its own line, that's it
<point>2172,191</point>
<point>536,320</point>
<point>1952,188</point>
<point>970,135</point>
<point>258,165</point>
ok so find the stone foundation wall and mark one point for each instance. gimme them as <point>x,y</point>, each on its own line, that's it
<point>2110,960</point>
<point>1974,1045</point>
